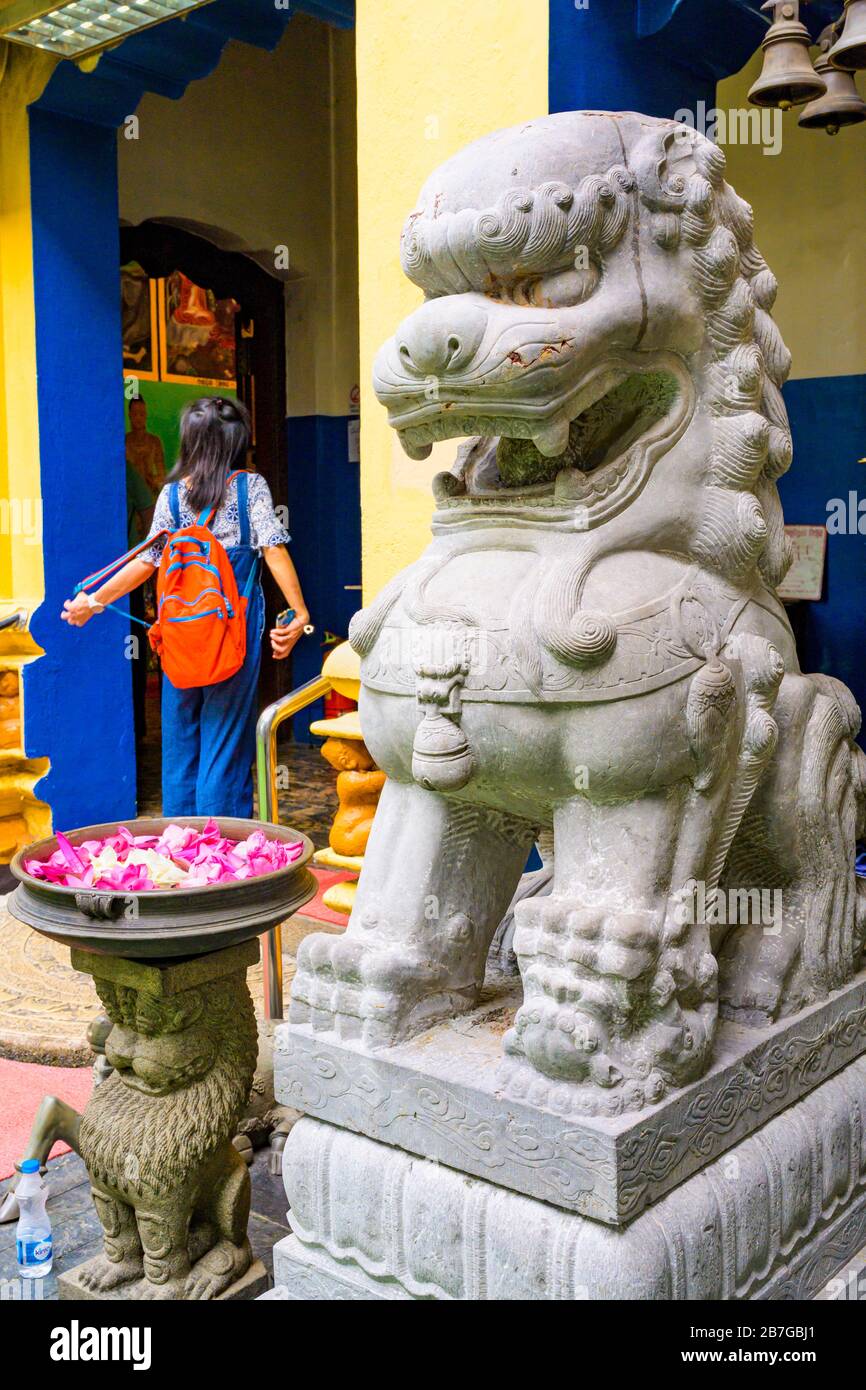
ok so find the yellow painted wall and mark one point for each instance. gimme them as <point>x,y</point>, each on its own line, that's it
<point>23,75</point>
<point>810,224</point>
<point>431,78</point>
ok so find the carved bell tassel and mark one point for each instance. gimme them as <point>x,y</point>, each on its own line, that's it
<point>787,78</point>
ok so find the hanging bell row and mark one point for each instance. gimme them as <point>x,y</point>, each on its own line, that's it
<point>841,104</point>
<point>789,78</point>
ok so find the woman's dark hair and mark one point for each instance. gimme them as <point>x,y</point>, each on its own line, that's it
<point>215,434</point>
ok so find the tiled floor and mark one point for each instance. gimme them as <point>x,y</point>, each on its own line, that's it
<point>77,1233</point>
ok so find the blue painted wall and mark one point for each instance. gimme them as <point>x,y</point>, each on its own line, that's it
<point>77,697</point>
<point>828,421</point>
<point>654,56</point>
<point>325,523</point>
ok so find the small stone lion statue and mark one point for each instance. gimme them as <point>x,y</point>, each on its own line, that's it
<point>171,1191</point>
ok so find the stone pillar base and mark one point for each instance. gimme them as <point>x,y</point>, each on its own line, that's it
<point>775,1217</point>
<point>302,1275</point>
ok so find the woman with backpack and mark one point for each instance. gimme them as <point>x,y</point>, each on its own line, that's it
<point>212,525</point>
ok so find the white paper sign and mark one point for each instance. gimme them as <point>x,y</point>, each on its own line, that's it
<point>805,578</point>
<point>354,439</point>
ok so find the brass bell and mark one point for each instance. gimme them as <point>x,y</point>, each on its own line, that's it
<point>788,77</point>
<point>849,51</point>
<point>842,103</point>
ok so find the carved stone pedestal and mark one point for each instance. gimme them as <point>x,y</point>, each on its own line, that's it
<point>449,1094</point>
<point>171,1191</point>
<point>755,1176</point>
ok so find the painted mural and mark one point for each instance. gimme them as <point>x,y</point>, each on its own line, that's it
<point>159,422</point>
<point>138,319</point>
<point>197,333</point>
<point>178,343</point>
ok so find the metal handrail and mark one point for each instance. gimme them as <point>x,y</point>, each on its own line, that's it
<point>269,810</point>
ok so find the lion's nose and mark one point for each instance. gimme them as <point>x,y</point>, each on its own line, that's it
<point>442,336</point>
<point>120,1047</point>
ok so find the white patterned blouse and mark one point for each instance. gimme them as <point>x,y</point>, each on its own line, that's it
<point>265,526</point>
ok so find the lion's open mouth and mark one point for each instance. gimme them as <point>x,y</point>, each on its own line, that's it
<point>604,449</point>
<point>597,437</point>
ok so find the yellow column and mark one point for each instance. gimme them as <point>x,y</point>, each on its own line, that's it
<point>23,75</point>
<point>431,78</point>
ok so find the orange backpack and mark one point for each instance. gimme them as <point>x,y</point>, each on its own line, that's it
<point>200,633</point>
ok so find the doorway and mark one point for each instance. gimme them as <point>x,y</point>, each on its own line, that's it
<point>165,253</point>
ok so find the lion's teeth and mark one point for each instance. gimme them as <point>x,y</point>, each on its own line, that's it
<point>415,451</point>
<point>552,439</point>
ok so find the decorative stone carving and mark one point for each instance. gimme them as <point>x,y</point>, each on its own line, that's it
<point>775,1218</point>
<point>590,656</point>
<point>447,1094</point>
<point>592,640</point>
<point>171,1191</point>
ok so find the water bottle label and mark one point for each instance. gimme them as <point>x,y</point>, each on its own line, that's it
<point>34,1250</point>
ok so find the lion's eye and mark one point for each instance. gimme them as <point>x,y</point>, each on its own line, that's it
<point>557,290</point>
<point>564,288</point>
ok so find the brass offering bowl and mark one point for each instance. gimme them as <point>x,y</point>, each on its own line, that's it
<point>168,922</point>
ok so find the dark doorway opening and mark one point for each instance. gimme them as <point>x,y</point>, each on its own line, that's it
<point>162,249</point>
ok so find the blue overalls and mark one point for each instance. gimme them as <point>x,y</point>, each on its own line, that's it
<point>209,734</point>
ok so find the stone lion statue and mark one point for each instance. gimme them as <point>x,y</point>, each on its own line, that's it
<point>591,650</point>
<point>170,1189</point>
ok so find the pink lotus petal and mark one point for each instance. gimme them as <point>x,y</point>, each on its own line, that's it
<point>205,856</point>
<point>36,868</point>
<point>69,854</point>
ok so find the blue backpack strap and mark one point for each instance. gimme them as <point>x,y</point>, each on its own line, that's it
<point>253,578</point>
<point>244,507</point>
<point>174,504</point>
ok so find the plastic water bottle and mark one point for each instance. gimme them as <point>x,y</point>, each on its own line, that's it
<point>34,1242</point>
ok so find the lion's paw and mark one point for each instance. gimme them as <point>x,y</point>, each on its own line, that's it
<point>102,1274</point>
<point>217,1270</point>
<point>378,990</point>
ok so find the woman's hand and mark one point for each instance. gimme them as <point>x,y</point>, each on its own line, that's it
<point>79,610</point>
<point>283,639</point>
